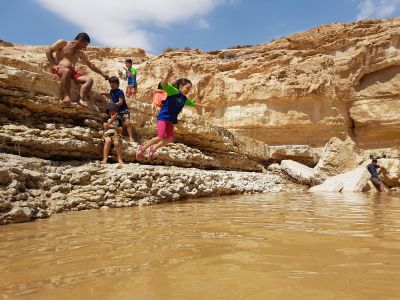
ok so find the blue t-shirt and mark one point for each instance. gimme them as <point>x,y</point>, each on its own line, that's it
<point>173,105</point>
<point>115,95</point>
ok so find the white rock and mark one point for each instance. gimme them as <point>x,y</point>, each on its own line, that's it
<point>353,181</point>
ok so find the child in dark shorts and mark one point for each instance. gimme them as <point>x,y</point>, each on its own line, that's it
<point>112,126</point>
<point>117,96</point>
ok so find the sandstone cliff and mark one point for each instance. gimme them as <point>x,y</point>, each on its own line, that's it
<point>334,80</point>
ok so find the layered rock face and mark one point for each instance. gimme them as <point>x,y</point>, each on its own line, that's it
<point>34,124</point>
<point>335,80</point>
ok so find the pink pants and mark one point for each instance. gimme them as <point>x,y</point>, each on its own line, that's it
<point>165,129</point>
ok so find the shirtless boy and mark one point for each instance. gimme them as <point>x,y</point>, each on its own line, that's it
<point>63,64</point>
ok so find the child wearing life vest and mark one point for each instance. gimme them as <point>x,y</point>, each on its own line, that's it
<point>159,96</point>
<point>168,115</point>
<point>131,73</point>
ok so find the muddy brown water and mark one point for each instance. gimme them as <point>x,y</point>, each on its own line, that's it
<point>272,246</point>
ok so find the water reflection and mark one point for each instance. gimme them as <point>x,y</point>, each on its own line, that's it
<point>295,246</point>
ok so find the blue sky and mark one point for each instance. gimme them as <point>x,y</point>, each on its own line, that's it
<point>158,24</point>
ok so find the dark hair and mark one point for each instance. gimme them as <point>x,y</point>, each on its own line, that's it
<point>159,86</point>
<point>375,160</point>
<point>128,60</point>
<point>83,36</point>
<point>180,82</point>
<point>113,79</point>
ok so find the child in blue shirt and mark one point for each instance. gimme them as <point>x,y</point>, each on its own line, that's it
<point>168,115</point>
<point>117,96</point>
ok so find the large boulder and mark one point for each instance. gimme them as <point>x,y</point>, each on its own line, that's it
<point>390,171</point>
<point>353,181</point>
<point>298,171</point>
<point>338,157</point>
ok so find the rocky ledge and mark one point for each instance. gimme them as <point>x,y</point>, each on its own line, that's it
<point>33,188</point>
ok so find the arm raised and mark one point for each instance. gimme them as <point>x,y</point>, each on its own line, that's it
<point>87,62</point>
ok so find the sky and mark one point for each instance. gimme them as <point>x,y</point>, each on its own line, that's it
<point>158,24</point>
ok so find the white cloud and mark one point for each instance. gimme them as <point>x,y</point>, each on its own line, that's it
<point>121,23</point>
<point>203,24</point>
<point>368,9</point>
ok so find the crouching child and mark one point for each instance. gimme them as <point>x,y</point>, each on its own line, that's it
<point>112,127</point>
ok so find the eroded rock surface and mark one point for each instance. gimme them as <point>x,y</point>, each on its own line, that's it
<point>36,188</point>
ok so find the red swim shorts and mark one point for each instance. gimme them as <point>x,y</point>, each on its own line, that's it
<point>74,74</point>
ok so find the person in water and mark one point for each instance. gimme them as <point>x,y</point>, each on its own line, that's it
<point>168,114</point>
<point>373,170</point>
<point>63,65</point>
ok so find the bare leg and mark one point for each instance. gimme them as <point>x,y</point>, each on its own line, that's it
<point>65,75</point>
<point>129,128</point>
<point>151,142</point>
<point>127,92</point>
<point>87,83</point>
<point>118,150</point>
<point>133,93</point>
<point>106,149</point>
<point>142,148</point>
<point>162,143</point>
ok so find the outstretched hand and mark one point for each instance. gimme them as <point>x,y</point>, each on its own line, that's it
<point>171,72</point>
<point>106,77</point>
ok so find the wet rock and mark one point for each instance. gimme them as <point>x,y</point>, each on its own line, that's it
<point>19,214</point>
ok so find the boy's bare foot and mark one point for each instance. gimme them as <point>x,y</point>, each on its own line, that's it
<point>83,103</point>
<point>131,140</point>
<point>103,162</point>
<point>67,101</point>
<point>121,162</point>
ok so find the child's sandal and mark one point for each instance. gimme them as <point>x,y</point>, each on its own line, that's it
<point>151,152</point>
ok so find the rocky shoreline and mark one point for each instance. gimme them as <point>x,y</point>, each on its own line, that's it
<point>34,188</point>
